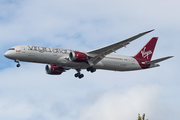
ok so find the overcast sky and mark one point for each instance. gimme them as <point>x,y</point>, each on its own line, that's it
<point>28,93</point>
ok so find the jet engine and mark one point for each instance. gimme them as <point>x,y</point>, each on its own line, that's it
<point>53,70</point>
<point>77,57</point>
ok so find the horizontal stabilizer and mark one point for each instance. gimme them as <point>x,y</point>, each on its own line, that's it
<point>157,60</point>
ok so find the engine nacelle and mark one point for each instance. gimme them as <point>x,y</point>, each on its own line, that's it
<point>53,70</point>
<point>77,57</point>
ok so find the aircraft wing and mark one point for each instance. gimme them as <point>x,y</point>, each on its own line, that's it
<point>157,60</point>
<point>99,54</point>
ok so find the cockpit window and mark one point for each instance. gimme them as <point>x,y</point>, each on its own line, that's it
<point>12,49</point>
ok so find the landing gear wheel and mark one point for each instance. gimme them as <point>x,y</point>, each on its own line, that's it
<point>18,65</point>
<point>81,76</point>
<point>77,75</point>
<point>88,69</point>
<point>93,70</point>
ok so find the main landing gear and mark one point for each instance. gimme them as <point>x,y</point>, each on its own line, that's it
<point>78,74</point>
<point>17,61</point>
<point>91,69</point>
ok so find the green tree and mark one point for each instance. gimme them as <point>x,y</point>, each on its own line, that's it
<point>141,118</point>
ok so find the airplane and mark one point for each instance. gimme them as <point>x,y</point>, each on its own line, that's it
<point>59,60</point>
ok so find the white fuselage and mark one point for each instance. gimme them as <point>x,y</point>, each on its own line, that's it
<point>60,57</point>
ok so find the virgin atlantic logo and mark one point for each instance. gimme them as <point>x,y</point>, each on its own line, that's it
<point>145,54</point>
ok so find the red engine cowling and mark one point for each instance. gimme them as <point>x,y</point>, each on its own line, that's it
<point>78,57</point>
<point>53,70</point>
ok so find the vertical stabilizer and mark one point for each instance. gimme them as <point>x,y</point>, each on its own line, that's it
<point>145,54</point>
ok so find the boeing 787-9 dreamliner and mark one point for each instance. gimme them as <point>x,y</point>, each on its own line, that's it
<point>59,60</point>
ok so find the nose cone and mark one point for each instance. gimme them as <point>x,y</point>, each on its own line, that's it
<point>7,54</point>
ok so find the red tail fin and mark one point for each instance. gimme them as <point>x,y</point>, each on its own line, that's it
<point>146,52</point>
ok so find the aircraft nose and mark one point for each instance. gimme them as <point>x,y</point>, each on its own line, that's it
<point>6,54</point>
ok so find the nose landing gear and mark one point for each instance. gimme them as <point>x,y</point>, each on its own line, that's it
<point>17,61</point>
<point>18,65</point>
